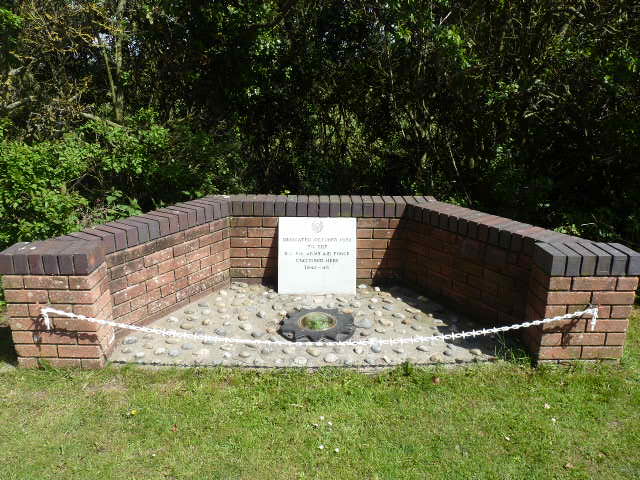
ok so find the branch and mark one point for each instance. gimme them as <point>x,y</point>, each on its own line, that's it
<point>14,105</point>
<point>98,119</point>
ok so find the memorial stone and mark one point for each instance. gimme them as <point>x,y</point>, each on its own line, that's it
<point>316,255</point>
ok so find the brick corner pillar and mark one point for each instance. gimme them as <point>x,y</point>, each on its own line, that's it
<point>67,275</point>
<point>570,276</point>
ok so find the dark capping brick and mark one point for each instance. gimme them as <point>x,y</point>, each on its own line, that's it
<point>171,219</point>
<point>164,228</point>
<point>220,204</point>
<point>367,206</point>
<point>334,205</point>
<point>236,205</point>
<point>618,258</point>
<point>400,205</point>
<point>143,229</point>
<point>409,211</point>
<point>420,198</point>
<point>441,214</point>
<point>258,205</point>
<point>356,206</point>
<point>420,212</point>
<point>269,204</point>
<point>463,221</point>
<point>483,227</point>
<point>198,210</point>
<point>378,206</point>
<point>200,206</point>
<point>389,206</point>
<point>156,226</point>
<point>212,208</point>
<point>551,260</point>
<point>19,257</point>
<point>345,206</point>
<point>507,239</point>
<point>546,236</point>
<point>457,217</point>
<point>34,259</point>
<point>494,231</point>
<point>119,236</point>
<point>88,237</point>
<point>408,199</point>
<point>438,216</point>
<point>431,214</point>
<point>87,256</point>
<point>302,206</point>
<point>291,207</point>
<point>313,207</point>
<point>324,206</point>
<point>130,231</point>
<point>6,258</point>
<point>190,216</point>
<point>208,208</point>
<point>633,265</point>
<point>50,257</point>
<point>603,263</point>
<point>65,260</point>
<point>588,265</point>
<point>108,238</point>
<point>280,206</point>
<point>519,237</point>
<point>473,223</point>
<point>6,264</point>
<point>247,205</point>
<point>225,207</point>
<point>181,217</point>
<point>218,210</point>
<point>574,260</point>
<point>452,215</point>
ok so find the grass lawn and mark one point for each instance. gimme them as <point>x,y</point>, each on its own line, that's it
<point>502,421</point>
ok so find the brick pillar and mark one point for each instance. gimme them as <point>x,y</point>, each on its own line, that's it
<point>558,286</point>
<point>65,275</point>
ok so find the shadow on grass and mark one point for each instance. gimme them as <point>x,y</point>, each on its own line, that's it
<point>7,352</point>
<point>510,349</point>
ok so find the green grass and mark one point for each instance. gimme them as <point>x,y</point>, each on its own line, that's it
<point>485,421</point>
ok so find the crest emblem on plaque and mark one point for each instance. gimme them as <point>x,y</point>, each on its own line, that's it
<point>316,227</point>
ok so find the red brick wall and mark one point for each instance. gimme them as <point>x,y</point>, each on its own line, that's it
<point>573,339</point>
<point>133,285</point>
<point>488,282</point>
<point>73,342</point>
<point>254,251</point>
<point>498,270</point>
<point>150,279</point>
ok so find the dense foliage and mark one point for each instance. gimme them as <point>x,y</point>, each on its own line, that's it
<point>529,109</point>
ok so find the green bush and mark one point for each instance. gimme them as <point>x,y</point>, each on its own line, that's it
<point>101,172</point>
<point>37,188</point>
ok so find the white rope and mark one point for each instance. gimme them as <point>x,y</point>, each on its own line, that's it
<point>417,339</point>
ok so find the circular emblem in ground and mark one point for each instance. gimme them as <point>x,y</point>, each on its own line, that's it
<point>318,325</point>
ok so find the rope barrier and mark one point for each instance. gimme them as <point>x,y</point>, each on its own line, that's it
<point>593,311</point>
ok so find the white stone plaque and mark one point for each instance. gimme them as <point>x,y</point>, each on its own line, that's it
<point>316,255</point>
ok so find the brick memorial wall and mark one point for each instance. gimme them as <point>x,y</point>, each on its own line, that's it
<point>498,271</point>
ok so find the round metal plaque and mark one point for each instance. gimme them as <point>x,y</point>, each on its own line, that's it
<point>318,325</point>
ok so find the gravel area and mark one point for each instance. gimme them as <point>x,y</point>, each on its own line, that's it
<point>255,312</point>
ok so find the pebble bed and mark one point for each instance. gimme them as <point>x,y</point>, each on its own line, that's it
<point>255,311</point>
